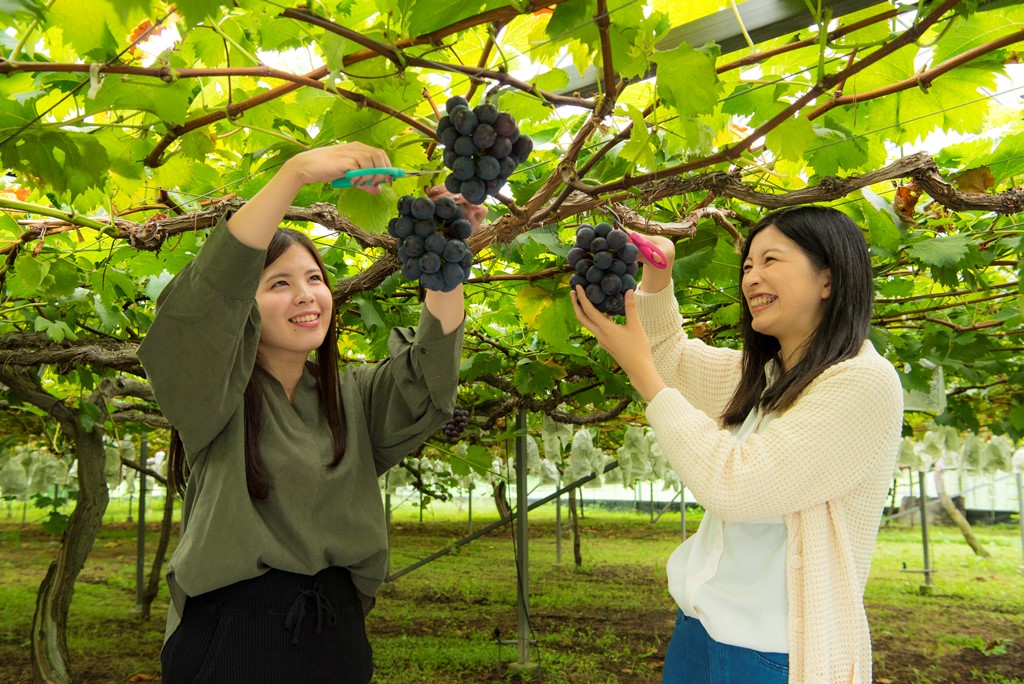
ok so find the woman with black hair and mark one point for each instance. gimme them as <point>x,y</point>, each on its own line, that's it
<point>283,542</point>
<point>789,445</point>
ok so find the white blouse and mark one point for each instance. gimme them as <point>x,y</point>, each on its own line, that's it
<point>732,576</point>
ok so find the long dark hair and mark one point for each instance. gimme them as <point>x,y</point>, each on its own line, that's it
<point>257,479</point>
<point>831,240</point>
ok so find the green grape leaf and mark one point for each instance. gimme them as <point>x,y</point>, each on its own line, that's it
<point>835,150</point>
<point>547,313</point>
<point>34,8</point>
<point>369,312</point>
<point>57,331</point>
<point>569,16</point>
<point>752,99</point>
<point>69,162</point>
<point>195,11</point>
<point>429,15</point>
<point>89,415</point>
<point>945,251</point>
<point>96,37</point>
<point>477,458</point>
<point>62,278</point>
<point>537,378</point>
<point>26,280</point>
<point>110,316</point>
<point>10,226</point>
<point>690,83</point>
<point>169,101</point>
<point>791,138</point>
<point>156,284</point>
<point>475,365</point>
<point>640,148</point>
<point>555,79</point>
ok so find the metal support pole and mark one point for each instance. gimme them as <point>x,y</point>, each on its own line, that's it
<point>140,550</point>
<point>387,501</point>
<point>470,530</point>
<point>558,526</point>
<point>652,500</point>
<point>522,544</point>
<point>682,512</point>
<point>926,588</point>
<point>1020,511</point>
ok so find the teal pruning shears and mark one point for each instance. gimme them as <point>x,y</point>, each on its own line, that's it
<point>394,172</point>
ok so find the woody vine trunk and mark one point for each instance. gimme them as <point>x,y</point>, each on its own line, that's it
<point>49,643</point>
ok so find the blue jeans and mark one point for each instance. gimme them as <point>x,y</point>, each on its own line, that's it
<point>695,658</point>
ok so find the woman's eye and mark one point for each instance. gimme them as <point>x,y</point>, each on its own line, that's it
<point>316,278</point>
<point>280,283</point>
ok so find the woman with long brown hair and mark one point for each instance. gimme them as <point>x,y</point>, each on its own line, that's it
<point>283,543</point>
<point>789,445</point>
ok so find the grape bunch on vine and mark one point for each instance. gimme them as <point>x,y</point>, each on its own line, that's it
<point>432,242</point>
<point>482,147</point>
<point>605,262</point>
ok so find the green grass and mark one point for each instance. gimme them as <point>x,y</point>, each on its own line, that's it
<point>607,621</point>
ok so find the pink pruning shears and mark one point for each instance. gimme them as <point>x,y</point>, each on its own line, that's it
<point>649,250</point>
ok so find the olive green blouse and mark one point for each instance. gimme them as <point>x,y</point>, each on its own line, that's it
<point>199,355</point>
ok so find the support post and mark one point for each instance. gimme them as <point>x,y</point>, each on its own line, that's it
<point>558,526</point>
<point>523,664</point>
<point>1020,512</point>
<point>926,588</point>
<point>652,500</point>
<point>387,501</point>
<point>682,512</point>
<point>140,544</point>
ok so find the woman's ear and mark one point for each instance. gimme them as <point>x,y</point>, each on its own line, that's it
<point>826,283</point>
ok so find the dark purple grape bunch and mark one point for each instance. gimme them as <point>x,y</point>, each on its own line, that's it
<point>482,147</point>
<point>605,262</point>
<point>454,427</point>
<point>431,238</point>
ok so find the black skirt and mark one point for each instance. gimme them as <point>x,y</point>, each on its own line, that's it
<point>275,628</point>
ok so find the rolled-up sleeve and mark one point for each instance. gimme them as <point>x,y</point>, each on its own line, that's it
<point>409,396</point>
<point>201,348</point>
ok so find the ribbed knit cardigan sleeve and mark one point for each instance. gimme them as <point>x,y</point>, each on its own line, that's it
<point>837,434</point>
<point>705,375</point>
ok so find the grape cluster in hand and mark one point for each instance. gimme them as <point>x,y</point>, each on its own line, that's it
<point>605,262</point>
<point>482,147</point>
<point>454,427</point>
<point>432,242</point>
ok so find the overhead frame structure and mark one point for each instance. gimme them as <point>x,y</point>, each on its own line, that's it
<point>763,20</point>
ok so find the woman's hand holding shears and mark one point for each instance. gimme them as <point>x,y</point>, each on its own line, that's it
<point>658,252</point>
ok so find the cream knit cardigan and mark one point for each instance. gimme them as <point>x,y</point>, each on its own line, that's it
<point>825,464</point>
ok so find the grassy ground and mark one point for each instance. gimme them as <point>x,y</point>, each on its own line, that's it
<point>607,621</point>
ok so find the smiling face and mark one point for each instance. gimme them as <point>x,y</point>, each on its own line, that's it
<point>784,291</point>
<point>294,301</point>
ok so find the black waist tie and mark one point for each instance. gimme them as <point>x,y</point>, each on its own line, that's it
<point>293,620</point>
<point>262,631</point>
